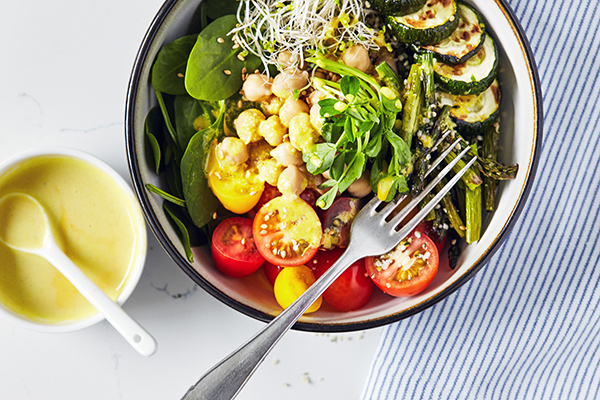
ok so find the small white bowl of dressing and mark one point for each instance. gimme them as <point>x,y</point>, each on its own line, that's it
<point>97,222</point>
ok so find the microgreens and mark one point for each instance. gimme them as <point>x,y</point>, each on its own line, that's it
<point>359,118</point>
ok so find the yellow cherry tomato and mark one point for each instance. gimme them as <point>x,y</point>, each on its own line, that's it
<point>237,188</point>
<point>291,283</point>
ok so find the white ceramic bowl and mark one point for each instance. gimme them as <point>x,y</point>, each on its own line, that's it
<point>521,138</point>
<point>139,251</point>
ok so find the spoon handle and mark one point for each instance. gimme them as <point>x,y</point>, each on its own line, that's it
<point>226,379</point>
<point>133,332</point>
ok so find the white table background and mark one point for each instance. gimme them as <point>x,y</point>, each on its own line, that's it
<point>64,69</point>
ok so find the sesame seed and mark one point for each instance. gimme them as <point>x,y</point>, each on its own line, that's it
<point>283,253</point>
<point>417,234</point>
<point>227,72</point>
<point>243,241</point>
<point>180,75</point>
<point>241,57</point>
<point>235,46</point>
<point>220,40</point>
<point>264,226</point>
<point>215,215</point>
<point>263,232</point>
<point>462,228</point>
<point>244,70</point>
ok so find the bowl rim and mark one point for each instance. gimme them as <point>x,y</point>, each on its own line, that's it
<point>167,245</point>
<point>136,271</point>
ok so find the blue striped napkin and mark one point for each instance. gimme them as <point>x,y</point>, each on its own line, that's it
<point>527,326</point>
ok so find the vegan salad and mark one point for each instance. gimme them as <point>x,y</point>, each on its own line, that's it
<point>277,120</point>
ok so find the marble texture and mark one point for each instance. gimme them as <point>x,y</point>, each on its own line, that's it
<point>65,67</point>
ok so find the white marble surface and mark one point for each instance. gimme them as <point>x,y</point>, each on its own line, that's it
<point>64,67</point>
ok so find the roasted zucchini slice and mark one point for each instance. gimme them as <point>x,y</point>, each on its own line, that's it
<point>471,77</point>
<point>473,113</point>
<point>431,24</point>
<point>464,42</point>
<point>398,7</point>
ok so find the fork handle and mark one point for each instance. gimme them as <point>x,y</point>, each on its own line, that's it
<point>226,379</point>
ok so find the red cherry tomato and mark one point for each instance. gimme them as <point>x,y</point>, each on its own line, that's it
<point>287,231</point>
<point>267,195</point>
<point>408,269</point>
<point>426,227</point>
<point>351,290</point>
<point>271,271</point>
<point>233,248</point>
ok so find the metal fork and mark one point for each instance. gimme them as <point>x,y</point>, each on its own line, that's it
<point>371,234</point>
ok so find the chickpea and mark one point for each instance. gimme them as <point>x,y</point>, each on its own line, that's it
<point>289,80</point>
<point>272,130</point>
<point>316,96</point>
<point>271,105</point>
<point>301,132</point>
<point>246,125</point>
<point>287,155</point>
<point>287,59</point>
<point>357,57</point>
<point>292,181</point>
<point>315,117</point>
<point>269,171</point>
<point>257,87</point>
<point>313,180</point>
<point>232,151</point>
<point>290,109</point>
<point>258,151</point>
<point>362,186</point>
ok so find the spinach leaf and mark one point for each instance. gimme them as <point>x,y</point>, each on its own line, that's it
<point>153,127</point>
<point>169,197</point>
<point>184,234</point>
<point>216,9</point>
<point>214,71</point>
<point>187,109</point>
<point>172,138</point>
<point>169,68</point>
<point>200,201</point>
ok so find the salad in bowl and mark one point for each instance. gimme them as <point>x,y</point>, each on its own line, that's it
<point>267,125</point>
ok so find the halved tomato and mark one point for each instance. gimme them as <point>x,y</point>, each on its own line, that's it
<point>237,188</point>
<point>233,248</point>
<point>408,269</point>
<point>287,231</point>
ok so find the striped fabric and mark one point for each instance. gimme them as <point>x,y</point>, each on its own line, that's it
<point>527,326</point>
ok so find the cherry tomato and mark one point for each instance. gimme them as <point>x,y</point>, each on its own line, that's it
<point>426,227</point>
<point>236,188</point>
<point>271,271</point>
<point>287,231</point>
<point>408,269</point>
<point>351,290</point>
<point>268,194</point>
<point>233,248</point>
<point>338,220</point>
<point>291,283</point>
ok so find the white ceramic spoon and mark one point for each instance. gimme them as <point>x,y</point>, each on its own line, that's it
<point>39,240</point>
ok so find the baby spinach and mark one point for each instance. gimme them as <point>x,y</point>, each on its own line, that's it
<point>187,110</point>
<point>200,201</point>
<point>214,71</point>
<point>215,9</point>
<point>154,134</point>
<point>169,68</point>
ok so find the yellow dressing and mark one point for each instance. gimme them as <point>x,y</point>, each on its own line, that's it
<point>23,223</point>
<point>94,223</point>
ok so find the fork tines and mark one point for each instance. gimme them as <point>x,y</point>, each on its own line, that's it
<point>383,214</point>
